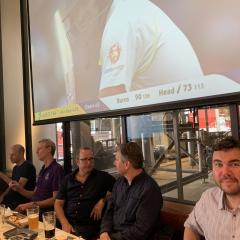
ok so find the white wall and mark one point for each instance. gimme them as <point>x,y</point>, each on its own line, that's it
<point>12,74</point>
<point>13,85</point>
<point>39,132</point>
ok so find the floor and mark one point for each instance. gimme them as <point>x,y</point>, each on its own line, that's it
<point>167,173</point>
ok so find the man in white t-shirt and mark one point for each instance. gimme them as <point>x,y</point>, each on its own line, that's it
<point>142,47</point>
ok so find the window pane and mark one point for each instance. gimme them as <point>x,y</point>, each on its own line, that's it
<point>177,147</point>
<point>59,144</point>
<point>101,135</point>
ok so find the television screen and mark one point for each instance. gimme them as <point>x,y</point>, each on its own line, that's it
<point>91,56</point>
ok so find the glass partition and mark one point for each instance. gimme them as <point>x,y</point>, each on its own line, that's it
<point>59,144</point>
<point>177,145</point>
<point>101,135</point>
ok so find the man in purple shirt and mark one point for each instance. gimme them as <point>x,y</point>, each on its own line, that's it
<point>48,182</point>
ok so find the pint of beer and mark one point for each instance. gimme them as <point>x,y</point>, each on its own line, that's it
<point>33,217</point>
<point>2,213</point>
<point>49,222</point>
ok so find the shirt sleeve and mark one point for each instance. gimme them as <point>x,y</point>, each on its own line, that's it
<point>192,221</point>
<point>29,171</point>
<point>118,54</point>
<point>110,182</point>
<point>61,195</point>
<point>107,221</point>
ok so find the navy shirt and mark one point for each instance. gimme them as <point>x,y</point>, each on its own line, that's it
<point>25,170</point>
<point>80,198</point>
<point>49,181</point>
<point>133,210</point>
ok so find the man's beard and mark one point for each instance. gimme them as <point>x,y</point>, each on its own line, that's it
<point>234,191</point>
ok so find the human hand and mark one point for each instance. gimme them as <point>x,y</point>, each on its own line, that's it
<point>104,236</point>
<point>97,210</point>
<point>67,227</point>
<point>23,207</point>
<point>14,185</point>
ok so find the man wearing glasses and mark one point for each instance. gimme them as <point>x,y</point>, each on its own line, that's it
<point>81,197</point>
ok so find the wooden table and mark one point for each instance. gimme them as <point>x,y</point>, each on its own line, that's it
<point>59,234</point>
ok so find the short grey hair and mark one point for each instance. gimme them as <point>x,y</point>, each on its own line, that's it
<point>49,143</point>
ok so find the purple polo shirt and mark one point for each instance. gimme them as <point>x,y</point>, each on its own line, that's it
<point>49,180</point>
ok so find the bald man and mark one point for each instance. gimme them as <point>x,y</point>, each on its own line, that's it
<point>23,172</point>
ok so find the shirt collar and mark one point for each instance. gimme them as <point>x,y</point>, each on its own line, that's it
<point>74,173</point>
<point>222,205</point>
<point>44,168</point>
<point>93,172</point>
<point>221,201</point>
<point>136,179</point>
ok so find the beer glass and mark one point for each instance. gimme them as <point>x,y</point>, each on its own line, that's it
<point>2,214</point>
<point>33,217</point>
<point>49,223</point>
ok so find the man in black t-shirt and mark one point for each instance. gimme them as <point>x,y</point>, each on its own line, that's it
<point>23,172</point>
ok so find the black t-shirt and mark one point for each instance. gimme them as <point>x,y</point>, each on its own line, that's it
<point>25,170</point>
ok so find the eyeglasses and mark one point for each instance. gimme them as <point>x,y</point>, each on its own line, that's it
<point>86,159</point>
